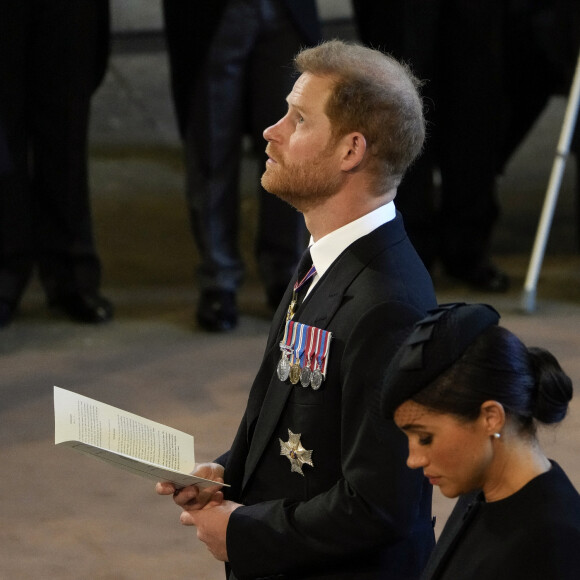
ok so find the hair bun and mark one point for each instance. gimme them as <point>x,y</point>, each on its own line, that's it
<point>554,386</point>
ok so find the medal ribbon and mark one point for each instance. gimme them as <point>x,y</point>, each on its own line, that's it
<point>292,339</point>
<point>300,347</point>
<point>316,347</point>
<point>297,285</point>
<point>322,360</point>
<point>283,342</point>
<point>308,351</point>
<point>309,274</point>
<point>306,346</point>
<point>285,347</point>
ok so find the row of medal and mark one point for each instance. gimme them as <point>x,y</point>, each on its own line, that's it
<point>304,354</point>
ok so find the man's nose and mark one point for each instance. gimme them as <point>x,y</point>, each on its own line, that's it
<point>272,133</point>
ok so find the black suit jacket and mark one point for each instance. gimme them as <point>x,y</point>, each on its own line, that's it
<point>359,512</point>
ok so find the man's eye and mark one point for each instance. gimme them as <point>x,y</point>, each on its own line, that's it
<point>426,440</point>
<point>300,119</point>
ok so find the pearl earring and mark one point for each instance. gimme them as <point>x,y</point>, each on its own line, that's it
<point>497,435</point>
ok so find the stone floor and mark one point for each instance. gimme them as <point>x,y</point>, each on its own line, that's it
<point>66,516</point>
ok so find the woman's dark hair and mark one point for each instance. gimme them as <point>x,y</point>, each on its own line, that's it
<point>528,382</point>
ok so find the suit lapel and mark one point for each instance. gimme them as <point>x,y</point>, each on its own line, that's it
<point>318,309</point>
<point>275,400</point>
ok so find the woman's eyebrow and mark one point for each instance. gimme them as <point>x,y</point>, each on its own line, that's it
<point>413,427</point>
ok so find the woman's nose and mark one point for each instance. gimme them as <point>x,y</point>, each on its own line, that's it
<point>416,459</point>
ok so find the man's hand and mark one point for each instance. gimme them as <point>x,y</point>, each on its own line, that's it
<point>204,508</point>
<point>212,523</point>
<point>193,497</point>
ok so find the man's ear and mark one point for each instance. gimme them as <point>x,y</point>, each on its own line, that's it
<point>492,415</point>
<point>354,146</point>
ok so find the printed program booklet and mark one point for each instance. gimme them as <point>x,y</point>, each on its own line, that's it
<point>125,440</point>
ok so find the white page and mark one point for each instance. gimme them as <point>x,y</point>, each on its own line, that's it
<point>124,439</point>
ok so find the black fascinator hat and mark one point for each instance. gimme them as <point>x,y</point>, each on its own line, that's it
<point>433,345</point>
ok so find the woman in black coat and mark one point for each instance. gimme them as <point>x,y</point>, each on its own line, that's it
<point>468,394</point>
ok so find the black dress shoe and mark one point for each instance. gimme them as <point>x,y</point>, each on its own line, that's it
<point>217,311</point>
<point>6,313</point>
<point>486,277</point>
<point>90,308</point>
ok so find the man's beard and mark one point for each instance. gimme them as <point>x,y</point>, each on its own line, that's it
<point>303,185</point>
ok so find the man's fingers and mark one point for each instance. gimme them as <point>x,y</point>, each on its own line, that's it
<point>186,519</point>
<point>187,496</point>
<point>164,488</point>
<point>217,499</point>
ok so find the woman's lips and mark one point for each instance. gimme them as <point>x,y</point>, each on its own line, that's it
<point>433,479</point>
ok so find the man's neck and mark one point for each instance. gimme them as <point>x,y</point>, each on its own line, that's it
<point>340,210</point>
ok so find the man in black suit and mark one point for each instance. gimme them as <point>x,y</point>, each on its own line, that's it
<point>481,62</point>
<point>310,497</point>
<point>229,64</point>
<point>456,47</point>
<point>53,56</point>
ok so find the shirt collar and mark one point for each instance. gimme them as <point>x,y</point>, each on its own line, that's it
<point>325,251</point>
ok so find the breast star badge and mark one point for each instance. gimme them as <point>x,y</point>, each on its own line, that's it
<point>297,455</point>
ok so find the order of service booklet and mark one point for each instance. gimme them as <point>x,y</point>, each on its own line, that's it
<point>125,440</point>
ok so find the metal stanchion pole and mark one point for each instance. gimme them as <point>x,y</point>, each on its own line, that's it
<point>528,299</point>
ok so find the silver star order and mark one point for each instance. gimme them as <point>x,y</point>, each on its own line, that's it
<point>294,451</point>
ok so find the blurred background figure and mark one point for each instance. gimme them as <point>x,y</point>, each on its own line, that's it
<point>469,395</point>
<point>230,64</point>
<point>542,44</point>
<point>482,63</point>
<point>53,56</point>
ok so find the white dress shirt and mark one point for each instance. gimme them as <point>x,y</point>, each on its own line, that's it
<point>328,248</point>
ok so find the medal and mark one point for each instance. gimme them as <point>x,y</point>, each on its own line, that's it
<point>295,373</point>
<point>295,370</point>
<point>305,376</point>
<point>297,285</point>
<point>322,347</point>
<point>283,369</point>
<point>316,379</point>
<point>308,352</point>
<point>291,307</point>
<point>296,454</point>
<point>304,355</point>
